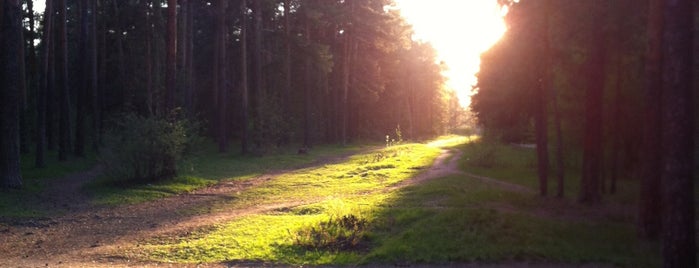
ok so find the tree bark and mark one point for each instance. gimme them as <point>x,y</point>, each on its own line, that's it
<point>171,62</point>
<point>93,77</point>
<point>64,133</point>
<point>346,72</point>
<point>592,148</point>
<point>679,234</point>
<point>10,45</point>
<point>42,88</point>
<point>244,77</point>
<point>222,79</point>
<point>651,160</point>
<point>81,103</point>
<point>541,111</point>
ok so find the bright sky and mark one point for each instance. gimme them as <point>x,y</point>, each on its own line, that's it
<point>460,30</point>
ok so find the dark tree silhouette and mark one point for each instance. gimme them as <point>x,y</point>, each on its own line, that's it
<point>64,124</point>
<point>678,239</point>
<point>651,161</point>
<point>11,43</point>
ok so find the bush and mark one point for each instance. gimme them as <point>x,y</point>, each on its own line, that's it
<point>146,149</point>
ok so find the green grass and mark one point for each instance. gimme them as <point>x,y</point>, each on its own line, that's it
<point>22,203</point>
<point>455,219</point>
<point>328,192</point>
<point>463,220</point>
<point>208,168</point>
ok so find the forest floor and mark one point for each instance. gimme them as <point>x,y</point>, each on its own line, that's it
<point>91,235</point>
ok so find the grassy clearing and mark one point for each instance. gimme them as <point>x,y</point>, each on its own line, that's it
<point>208,168</point>
<point>330,191</point>
<point>22,203</point>
<point>455,219</point>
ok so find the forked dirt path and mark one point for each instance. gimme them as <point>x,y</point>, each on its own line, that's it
<point>93,236</point>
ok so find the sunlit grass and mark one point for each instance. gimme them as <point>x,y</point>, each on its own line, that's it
<point>207,168</point>
<point>454,219</point>
<point>354,187</point>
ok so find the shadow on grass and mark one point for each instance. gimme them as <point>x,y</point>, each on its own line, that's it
<point>24,203</point>
<point>463,220</point>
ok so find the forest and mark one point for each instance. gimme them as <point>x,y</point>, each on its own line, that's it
<point>321,132</point>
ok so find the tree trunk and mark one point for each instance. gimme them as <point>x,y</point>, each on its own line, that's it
<point>679,234</point>
<point>560,161</point>
<point>346,72</point>
<point>541,113</point>
<point>42,88</point>
<point>287,64</point>
<point>188,50</point>
<point>64,133</point>
<point>308,76</point>
<point>223,78</point>
<point>93,76</point>
<point>244,77</point>
<point>171,62</point>
<point>259,96</point>
<point>149,61</point>
<point>651,160</point>
<point>81,104</point>
<point>11,43</point>
<point>592,147</point>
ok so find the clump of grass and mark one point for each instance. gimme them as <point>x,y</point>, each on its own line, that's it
<point>347,233</point>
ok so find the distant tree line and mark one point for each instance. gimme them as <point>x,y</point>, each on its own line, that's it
<point>607,88</point>
<point>263,73</point>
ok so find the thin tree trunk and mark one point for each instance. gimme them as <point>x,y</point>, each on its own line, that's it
<point>308,76</point>
<point>259,99</point>
<point>10,45</point>
<point>42,88</point>
<point>287,63</point>
<point>64,133</point>
<point>80,127</point>
<point>678,212</point>
<point>560,161</point>
<point>244,77</point>
<point>189,46</point>
<point>149,61</point>
<point>94,82</point>
<point>346,72</point>
<point>592,151</point>
<point>23,125</point>
<point>541,112</point>
<point>650,165</point>
<point>171,62</point>
<point>223,78</point>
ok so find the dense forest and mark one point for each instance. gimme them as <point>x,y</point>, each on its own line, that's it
<point>605,88</point>
<point>260,73</point>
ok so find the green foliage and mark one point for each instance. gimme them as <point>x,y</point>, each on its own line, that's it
<point>146,149</point>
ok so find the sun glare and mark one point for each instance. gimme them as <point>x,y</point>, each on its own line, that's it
<point>460,30</point>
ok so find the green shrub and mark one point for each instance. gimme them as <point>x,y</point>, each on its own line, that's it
<point>146,149</point>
